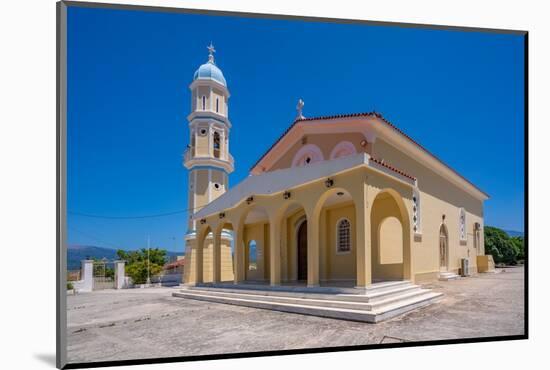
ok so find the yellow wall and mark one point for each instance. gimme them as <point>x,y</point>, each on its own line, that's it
<point>438,197</point>
<point>202,142</point>
<point>340,266</point>
<point>390,237</point>
<point>191,255</point>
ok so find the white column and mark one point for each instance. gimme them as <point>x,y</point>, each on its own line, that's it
<point>87,275</point>
<point>120,275</point>
<point>222,145</point>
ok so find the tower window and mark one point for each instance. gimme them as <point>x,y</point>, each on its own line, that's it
<point>203,102</point>
<point>217,105</point>
<point>203,131</point>
<point>217,186</point>
<point>217,144</point>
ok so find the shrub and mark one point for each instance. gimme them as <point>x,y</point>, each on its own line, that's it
<point>502,247</point>
<point>70,286</point>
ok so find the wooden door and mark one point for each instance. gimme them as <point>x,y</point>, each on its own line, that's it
<point>443,243</point>
<point>302,251</point>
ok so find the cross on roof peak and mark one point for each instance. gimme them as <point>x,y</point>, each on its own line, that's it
<point>211,52</point>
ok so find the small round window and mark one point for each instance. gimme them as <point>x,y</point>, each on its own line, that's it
<point>203,131</point>
<point>217,186</point>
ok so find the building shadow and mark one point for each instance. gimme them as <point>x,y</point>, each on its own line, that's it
<point>47,358</point>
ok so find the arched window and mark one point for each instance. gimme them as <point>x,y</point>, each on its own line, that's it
<point>307,154</point>
<point>343,149</point>
<point>252,256</point>
<point>343,236</point>
<point>203,102</point>
<point>216,144</point>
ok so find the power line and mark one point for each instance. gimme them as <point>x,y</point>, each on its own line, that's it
<point>182,211</point>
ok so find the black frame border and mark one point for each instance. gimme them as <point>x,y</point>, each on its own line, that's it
<point>61,125</point>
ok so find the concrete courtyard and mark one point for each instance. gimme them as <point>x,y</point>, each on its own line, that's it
<point>147,323</point>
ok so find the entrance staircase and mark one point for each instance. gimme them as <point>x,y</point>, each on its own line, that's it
<point>446,276</point>
<point>376,303</point>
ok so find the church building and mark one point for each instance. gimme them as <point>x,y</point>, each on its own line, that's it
<point>344,200</point>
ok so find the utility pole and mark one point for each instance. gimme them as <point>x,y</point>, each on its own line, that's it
<point>148,260</point>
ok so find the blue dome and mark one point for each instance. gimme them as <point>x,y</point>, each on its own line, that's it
<point>209,71</point>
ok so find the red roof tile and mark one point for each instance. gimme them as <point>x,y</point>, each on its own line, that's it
<point>382,163</point>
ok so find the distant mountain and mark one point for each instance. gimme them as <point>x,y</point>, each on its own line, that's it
<point>514,233</point>
<point>77,253</point>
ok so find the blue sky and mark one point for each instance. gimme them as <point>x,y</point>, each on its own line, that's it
<point>460,94</point>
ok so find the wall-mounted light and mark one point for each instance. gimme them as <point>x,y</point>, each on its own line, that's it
<point>286,195</point>
<point>363,143</point>
<point>329,182</point>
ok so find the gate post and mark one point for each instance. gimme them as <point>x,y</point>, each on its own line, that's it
<point>119,275</point>
<point>87,275</point>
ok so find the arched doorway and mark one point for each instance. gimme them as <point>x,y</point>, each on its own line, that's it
<point>443,248</point>
<point>302,251</point>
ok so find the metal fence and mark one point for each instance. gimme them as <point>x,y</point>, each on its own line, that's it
<point>104,275</point>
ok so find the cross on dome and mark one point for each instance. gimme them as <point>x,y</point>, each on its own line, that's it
<point>299,109</point>
<point>211,52</point>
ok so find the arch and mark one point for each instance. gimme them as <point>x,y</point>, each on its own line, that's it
<point>307,154</point>
<point>217,146</point>
<point>343,236</point>
<point>443,248</point>
<point>332,206</point>
<point>389,215</point>
<point>254,232</point>
<point>199,253</point>
<point>343,149</point>
<point>287,219</point>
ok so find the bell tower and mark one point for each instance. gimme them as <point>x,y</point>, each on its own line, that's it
<point>207,156</point>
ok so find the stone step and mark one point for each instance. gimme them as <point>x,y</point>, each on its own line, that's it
<point>446,276</point>
<point>375,290</point>
<point>325,301</point>
<point>365,295</point>
<point>346,310</point>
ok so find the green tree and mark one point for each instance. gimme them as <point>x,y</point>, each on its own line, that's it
<point>503,248</point>
<point>140,263</point>
<point>520,246</point>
